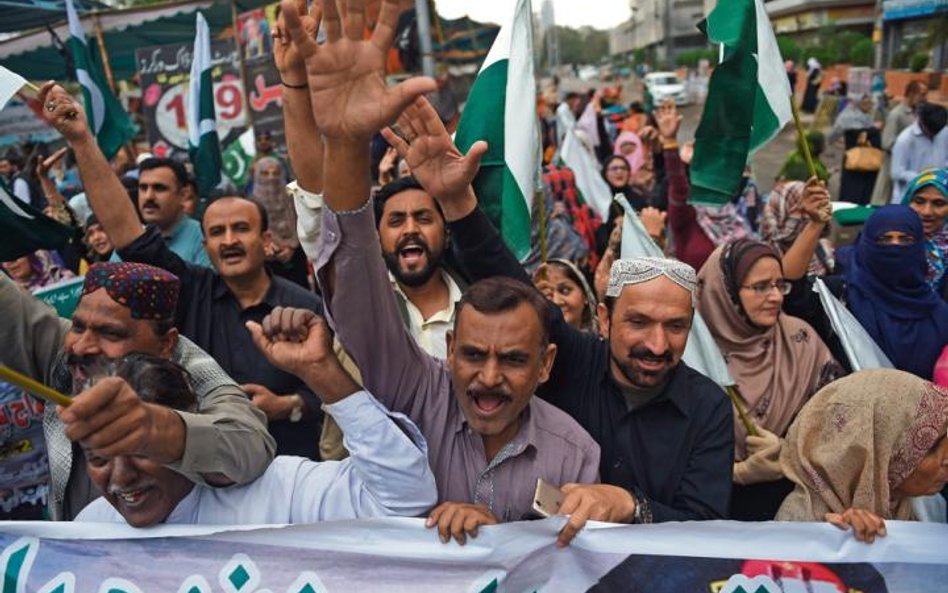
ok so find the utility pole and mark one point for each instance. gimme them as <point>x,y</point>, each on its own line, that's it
<point>877,37</point>
<point>424,37</point>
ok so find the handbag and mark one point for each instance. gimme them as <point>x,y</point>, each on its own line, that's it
<point>863,157</point>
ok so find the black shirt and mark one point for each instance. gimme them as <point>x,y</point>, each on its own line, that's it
<point>210,316</point>
<point>677,450</point>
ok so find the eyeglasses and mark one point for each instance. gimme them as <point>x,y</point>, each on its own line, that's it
<point>616,168</point>
<point>764,288</point>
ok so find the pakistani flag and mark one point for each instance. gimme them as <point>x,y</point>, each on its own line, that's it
<point>203,144</point>
<point>25,229</point>
<point>238,157</point>
<point>10,84</point>
<point>861,350</point>
<point>501,109</point>
<point>750,74</point>
<point>109,122</point>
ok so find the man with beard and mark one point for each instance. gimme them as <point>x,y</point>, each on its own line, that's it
<point>216,303</point>
<point>124,308</point>
<point>489,439</point>
<point>666,431</point>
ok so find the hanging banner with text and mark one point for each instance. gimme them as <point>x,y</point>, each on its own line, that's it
<point>165,71</point>
<point>401,555</point>
<point>264,90</point>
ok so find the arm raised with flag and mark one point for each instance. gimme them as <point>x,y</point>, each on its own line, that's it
<point>107,196</point>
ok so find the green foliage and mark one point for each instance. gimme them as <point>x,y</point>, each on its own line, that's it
<point>581,46</point>
<point>691,57</point>
<point>789,49</point>
<point>918,61</point>
<point>862,52</point>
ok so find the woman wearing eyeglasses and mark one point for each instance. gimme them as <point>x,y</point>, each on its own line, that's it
<point>777,362</point>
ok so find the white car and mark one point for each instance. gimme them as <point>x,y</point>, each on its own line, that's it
<point>666,85</point>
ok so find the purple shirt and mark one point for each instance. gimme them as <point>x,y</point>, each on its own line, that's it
<point>365,317</point>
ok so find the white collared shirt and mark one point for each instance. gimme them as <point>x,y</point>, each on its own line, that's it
<point>913,153</point>
<point>387,473</point>
<point>431,333</point>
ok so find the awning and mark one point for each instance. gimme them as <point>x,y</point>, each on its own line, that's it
<point>23,15</point>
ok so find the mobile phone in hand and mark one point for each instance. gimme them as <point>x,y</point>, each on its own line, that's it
<point>547,499</point>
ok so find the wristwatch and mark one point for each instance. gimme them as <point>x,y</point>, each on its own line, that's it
<point>296,414</point>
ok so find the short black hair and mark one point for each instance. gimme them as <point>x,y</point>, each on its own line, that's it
<point>500,294</point>
<point>932,117</point>
<point>264,217</point>
<point>180,173</point>
<point>394,188</point>
<point>158,380</point>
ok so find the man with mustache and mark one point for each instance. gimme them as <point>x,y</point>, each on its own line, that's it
<point>489,439</point>
<point>216,303</point>
<point>162,192</point>
<point>127,307</point>
<point>666,431</point>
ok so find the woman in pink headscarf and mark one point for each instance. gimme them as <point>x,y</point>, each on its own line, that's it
<point>629,146</point>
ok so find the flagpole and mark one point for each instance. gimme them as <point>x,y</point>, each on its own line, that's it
<point>801,135</point>
<point>731,391</point>
<point>103,52</point>
<point>540,199</point>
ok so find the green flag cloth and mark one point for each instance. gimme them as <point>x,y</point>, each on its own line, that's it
<point>238,158</point>
<point>501,109</point>
<point>204,147</point>
<point>25,229</point>
<point>107,119</point>
<point>749,74</point>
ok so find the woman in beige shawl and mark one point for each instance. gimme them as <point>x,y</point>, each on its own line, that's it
<point>862,447</point>
<point>777,362</point>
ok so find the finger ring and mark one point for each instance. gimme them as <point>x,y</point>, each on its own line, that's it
<point>71,115</point>
<point>51,106</point>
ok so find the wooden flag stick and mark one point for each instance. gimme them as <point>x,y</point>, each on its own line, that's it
<point>33,387</point>
<point>801,135</point>
<point>741,412</point>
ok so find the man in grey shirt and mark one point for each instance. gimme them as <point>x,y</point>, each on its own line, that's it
<point>489,439</point>
<point>225,442</point>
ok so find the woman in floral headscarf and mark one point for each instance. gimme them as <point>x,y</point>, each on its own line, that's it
<point>784,218</point>
<point>927,195</point>
<point>891,426</point>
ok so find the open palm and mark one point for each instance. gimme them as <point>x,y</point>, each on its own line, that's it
<point>346,75</point>
<point>434,160</point>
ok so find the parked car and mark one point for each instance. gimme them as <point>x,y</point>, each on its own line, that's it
<point>666,85</point>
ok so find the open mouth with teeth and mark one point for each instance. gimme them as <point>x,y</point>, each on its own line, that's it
<point>232,256</point>
<point>132,498</point>
<point>488,404</point>
<point>412,254</point>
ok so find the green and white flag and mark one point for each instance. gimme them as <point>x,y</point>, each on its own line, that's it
<point>238,157</point>
<point>10,84</point>
<point>203,144</point>
<point>25,229</point>
<point>107,119</point>
<point>749,74</point>
<point>501,109</point>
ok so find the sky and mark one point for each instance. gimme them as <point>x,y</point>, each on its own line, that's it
<point>602,14</point>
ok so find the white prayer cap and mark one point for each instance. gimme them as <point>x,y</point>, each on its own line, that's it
<point>635,270</point>
<point>141,158</point>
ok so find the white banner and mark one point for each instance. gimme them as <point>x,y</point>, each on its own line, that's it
<point>401,555</point>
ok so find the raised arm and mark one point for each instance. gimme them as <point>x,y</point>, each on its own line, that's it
<point>816,204</point>
<point>348,96</point>
<point>387,472</point>
<point>107,197</point>
<point>303,142</point>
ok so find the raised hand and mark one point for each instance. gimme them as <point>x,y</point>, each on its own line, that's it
<point>431,155</point>
<point>64,113</point>
<point>346,75</point>
<point>43,166</point>
<point>816,201</point>
<point>289,62</point>
<point>669,120</point>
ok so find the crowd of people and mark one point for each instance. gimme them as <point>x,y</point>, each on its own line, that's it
<point>359,341</point>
